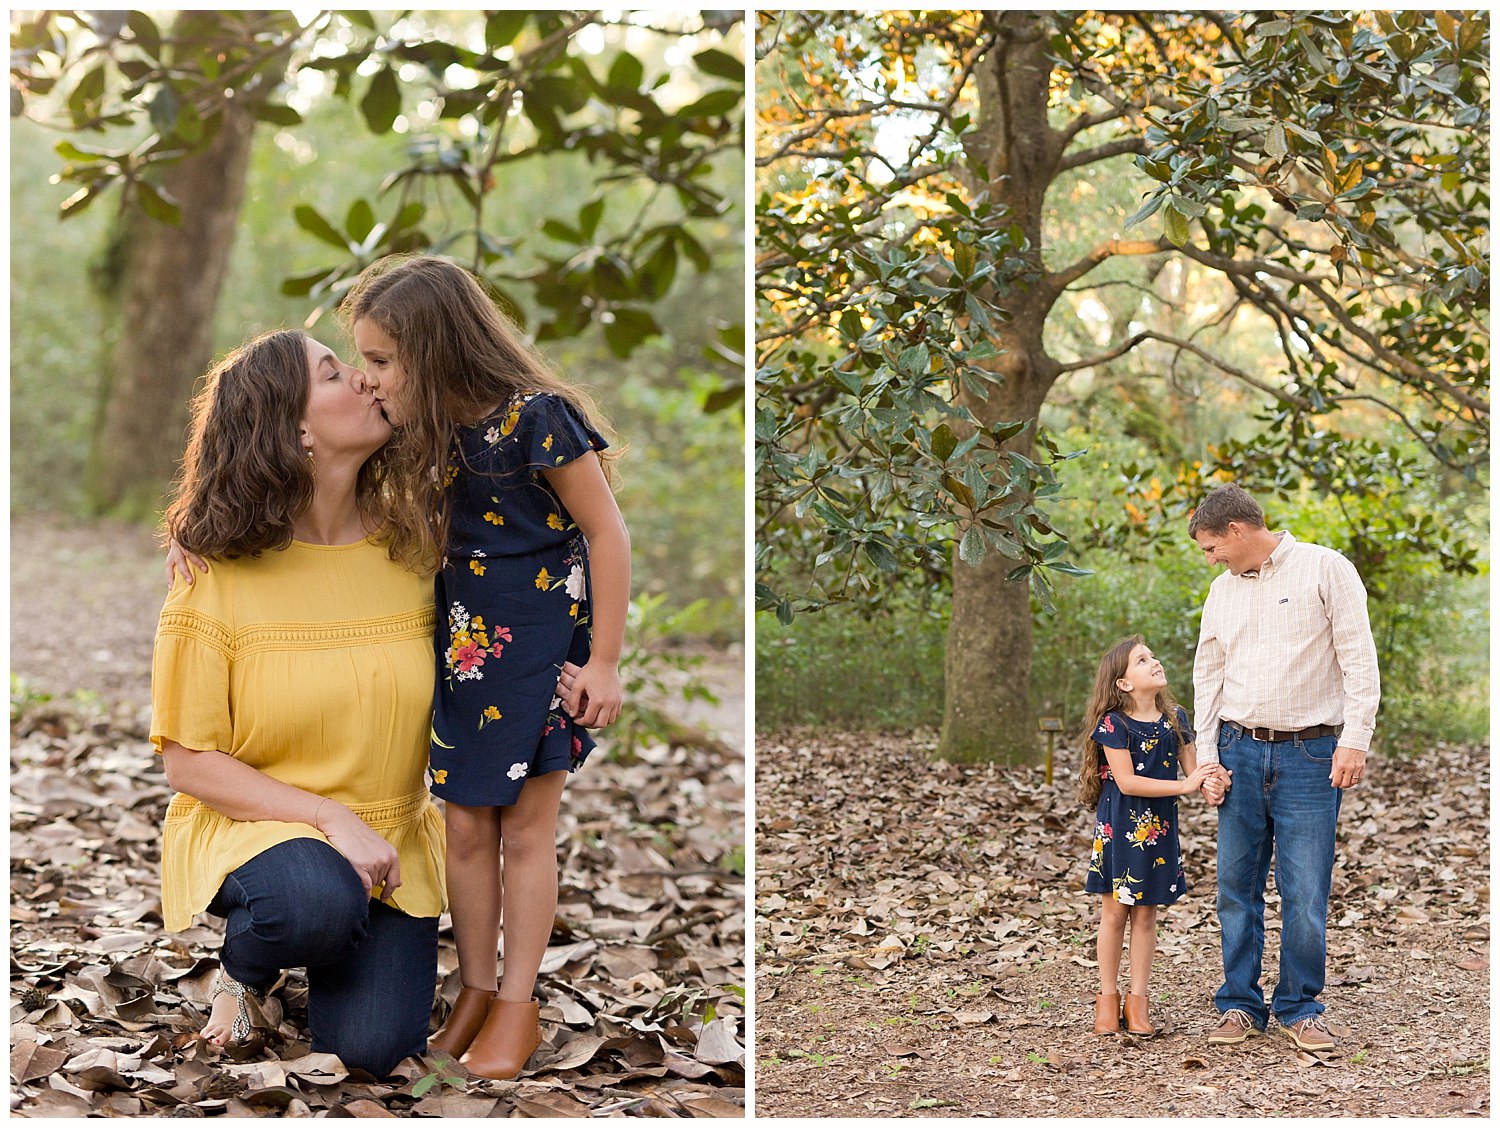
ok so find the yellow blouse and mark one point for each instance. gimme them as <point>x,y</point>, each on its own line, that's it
<point>313,665</point>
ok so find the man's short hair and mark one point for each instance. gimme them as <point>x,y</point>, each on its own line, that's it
<point>1223,505</point>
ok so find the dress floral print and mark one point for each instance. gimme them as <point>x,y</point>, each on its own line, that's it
<point>1135,856</point>
<point>513,605</point>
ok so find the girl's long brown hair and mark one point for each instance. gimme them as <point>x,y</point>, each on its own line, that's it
<point>461,357</point>
<point>1107,697</point>
<point>245,476</point>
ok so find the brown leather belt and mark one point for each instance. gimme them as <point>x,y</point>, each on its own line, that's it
<point>1276,736</point>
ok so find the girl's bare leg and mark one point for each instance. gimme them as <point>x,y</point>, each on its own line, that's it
<point>1112,917</point>
<point>474,891</point>
<point>1142,947</point>
<point>528,844</point>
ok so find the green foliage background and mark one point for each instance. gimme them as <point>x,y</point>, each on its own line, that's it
<point>879,664</point>
<point>682,482</point>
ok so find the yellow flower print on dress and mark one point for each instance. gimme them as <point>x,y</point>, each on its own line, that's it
<point>476,567</point>
<point>510,421</point>
<point>1147,829</point>
<point>494,518</point>
<point>440,775</point>
<point>490,714</point>
<point>543,580</point>
<point>555,522</point>
<point>547,443</point>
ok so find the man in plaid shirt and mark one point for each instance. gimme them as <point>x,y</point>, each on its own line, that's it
<point>1285,686</point>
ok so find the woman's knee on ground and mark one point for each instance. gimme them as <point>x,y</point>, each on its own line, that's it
<point>374,1047</point>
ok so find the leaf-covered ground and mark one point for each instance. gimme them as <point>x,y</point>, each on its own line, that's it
<point>643,1009</point>
<point>924,947</point>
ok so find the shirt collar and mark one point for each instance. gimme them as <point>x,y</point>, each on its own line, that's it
<point>1278,557</point>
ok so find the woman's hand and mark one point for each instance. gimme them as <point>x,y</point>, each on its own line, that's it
<point>591,694</point>
<point>373,858</point>
<point>179,559</point>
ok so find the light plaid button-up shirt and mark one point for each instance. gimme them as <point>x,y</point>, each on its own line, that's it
<point>1287,648</point>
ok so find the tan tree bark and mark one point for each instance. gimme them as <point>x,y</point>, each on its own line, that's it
<point>169,286</point>
<point>987,710</point>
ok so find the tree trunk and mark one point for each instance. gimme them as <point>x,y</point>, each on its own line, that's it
<point>987,713</point>
<point>169,288</point>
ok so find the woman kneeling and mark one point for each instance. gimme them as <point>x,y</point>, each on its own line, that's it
<point>291,696</point>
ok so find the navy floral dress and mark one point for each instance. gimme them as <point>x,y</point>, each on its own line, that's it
<point>1136,856</point>
<point>512,606</point>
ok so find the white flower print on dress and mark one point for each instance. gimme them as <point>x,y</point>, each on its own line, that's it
<point>517,770</point>
<point>459,617</point>
<point>574,585</point>
<point>492,435</point>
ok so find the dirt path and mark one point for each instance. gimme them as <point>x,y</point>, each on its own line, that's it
<point>83,604</point>
<point>924,948</point>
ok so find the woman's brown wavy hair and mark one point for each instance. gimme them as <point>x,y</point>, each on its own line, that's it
<point>1107,697</point>
<point>245,476</point>
<point>462,358</point>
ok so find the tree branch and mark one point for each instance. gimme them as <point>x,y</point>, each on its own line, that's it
<point>1280,394</point>
<point>1054,284</point>
<point>1102,152</point>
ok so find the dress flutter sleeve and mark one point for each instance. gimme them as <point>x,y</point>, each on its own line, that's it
<point>190,681</point>
<point>553,432</point>
<point>1110,732</point>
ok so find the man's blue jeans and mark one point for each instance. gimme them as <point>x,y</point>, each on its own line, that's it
<point>1281,799</point>
<point>371,970</point>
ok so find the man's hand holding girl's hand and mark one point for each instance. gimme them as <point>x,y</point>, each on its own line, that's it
<point>1216,783</point>
<point>1197,777</point>
<point>591,694</point>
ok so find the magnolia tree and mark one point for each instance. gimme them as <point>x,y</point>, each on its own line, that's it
<point>160,119</point>
<point>1322,178</point>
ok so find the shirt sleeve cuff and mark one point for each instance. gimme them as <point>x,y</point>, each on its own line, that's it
<point>1357,737</point>
<point>1208,743</point>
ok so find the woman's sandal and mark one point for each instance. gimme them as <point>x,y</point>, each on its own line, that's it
<point>239,1027</point>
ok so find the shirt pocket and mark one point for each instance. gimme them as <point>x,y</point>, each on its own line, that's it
<point>1300,614</point>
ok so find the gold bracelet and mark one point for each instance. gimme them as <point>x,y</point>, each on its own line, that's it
<point>319,811</point>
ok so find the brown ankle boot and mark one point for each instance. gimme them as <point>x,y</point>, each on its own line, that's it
<point>1137,1016</point>
<point>1107,1013</point>
<point>509,1036</point>
<point>464,1021</point>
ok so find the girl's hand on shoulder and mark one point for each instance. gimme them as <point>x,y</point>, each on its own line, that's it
<point>592,695</point>
<point>374,859</point>
<point>179,560</point>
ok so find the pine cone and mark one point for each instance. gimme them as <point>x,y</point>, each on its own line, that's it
<point>33,998</point>
<point>220,1087</point>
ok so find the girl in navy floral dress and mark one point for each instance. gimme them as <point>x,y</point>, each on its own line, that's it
<point>1134,737</point>
<point>531,589</point>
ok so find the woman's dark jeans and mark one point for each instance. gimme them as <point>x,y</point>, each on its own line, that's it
<point>371,970</point>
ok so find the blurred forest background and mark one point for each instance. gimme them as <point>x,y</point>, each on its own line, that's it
<point>588,166</point>
<point>673,395</point>
<point>1029,283</point>
<point>1172,369</point>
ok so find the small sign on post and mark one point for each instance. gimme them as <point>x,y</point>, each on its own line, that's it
<point>1051,726</point>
